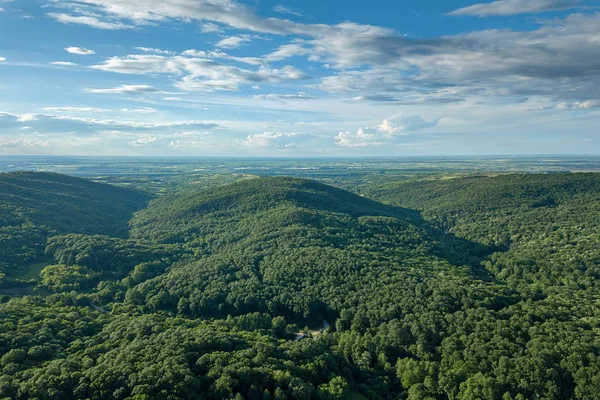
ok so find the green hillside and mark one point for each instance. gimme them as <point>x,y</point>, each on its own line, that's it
<point>299,249</point>
<point>34,206</point>
<point>547,226</point>
<point>469,288</point>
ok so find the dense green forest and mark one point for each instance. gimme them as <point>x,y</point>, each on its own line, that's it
<point>35,206</point>
<point>477,287</point>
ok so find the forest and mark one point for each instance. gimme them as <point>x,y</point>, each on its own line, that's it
<point>435,286</point>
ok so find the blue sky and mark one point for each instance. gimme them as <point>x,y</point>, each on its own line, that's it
<point>299,78</point>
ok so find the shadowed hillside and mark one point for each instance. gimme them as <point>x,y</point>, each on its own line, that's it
<point>34,206</point>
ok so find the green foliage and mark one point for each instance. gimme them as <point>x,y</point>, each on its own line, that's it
<point>34,206</point>
<point>63,278</point>
<point>467,288</point>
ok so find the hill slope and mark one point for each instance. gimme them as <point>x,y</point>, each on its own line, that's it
<point>548,226</point>
<point>212,286</point>
<point>182,217</point>
<point>34,206</point>
<point>299,249</point>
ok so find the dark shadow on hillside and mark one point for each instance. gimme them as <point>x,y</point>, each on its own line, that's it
<point>455,250</point>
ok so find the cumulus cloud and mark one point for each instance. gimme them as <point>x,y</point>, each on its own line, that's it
<point>233,42</point>
<point>276,139</point>
<point>404,124</point>
<point>125,89</point>
<point>155,51</point>
<point>2,59</point>
<point>579,105</point>
<point>513,7</point>
<point>64,64</point>
<point>79,51</point>
<point>201,74</point>
<point>195,53</point>
<point>362,138</point>
<point>141,64</point>
<point>209,27</point>
<point>145,141</point>
<point>386,132</point>
<point>557,60</point>
<point>27,117</point>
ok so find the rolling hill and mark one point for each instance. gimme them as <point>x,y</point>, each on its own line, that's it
<point>470,288</point>
<point>37,205</point>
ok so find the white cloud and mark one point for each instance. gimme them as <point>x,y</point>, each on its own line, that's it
<point>2,59</point>
<point>209,27</point>
<point>513,7</point>
<point>60,122</point>
<point>187,144</point>
<point>287,51</point>
<point>273,96</point>
<point>27,117</point>
<point>80,51</point>
<point>155,51</point>
<point>24,143</point>
<point>285,10</point>
<point>145,141</point>
<point>579,105</point>
<point>195,53</point>
<point>385,133</point>
<point>275,139</point>
<point>64,63</point>
<point>555,60</point>
<point>362,138</point>
<point>201,74</point>
<point>404,124</point>
<point>142,110</point>
<point>75,109</point>
<point>142,64</point>
<point>110,14</point>
<point>233,42</point>
<point>125,89</point>
<point>92,22</point>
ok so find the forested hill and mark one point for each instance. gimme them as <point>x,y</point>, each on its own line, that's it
<point>297,248</point>
<point>489,292</point>
<point>486,193</point>
<point>36,205</point>
<point>546,226</point>
<point>181,217</point>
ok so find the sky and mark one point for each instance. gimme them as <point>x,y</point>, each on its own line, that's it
<point>298,78</point>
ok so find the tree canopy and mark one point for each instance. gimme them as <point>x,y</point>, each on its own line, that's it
<point>478,287</point>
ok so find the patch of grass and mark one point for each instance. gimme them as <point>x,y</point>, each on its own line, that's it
<point>33,272</point>
<point>354,396</point>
